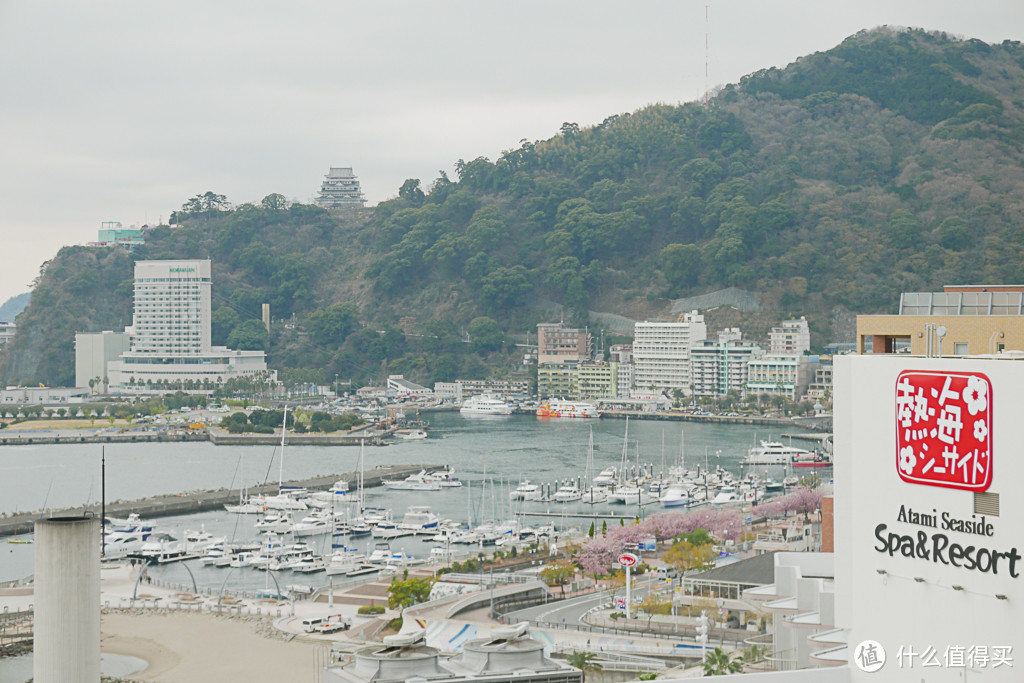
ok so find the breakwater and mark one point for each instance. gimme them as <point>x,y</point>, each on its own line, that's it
<point>201,501</point>
<point>216,436</point>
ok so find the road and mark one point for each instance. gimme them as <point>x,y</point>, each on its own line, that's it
<point>571,611</point>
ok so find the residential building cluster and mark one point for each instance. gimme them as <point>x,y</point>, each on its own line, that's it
<point>677,359</point>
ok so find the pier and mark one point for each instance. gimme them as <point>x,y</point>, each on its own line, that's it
<point>202,501</point>
<point>216,436</point>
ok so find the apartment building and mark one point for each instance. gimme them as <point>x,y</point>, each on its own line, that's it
<point>661,353</point>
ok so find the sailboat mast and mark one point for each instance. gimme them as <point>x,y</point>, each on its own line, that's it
<point>280,472</point>
<point>103,504</point>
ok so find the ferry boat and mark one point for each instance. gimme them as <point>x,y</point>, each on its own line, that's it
<point>567,409</point>
<point>483,404</point>
<point>773,453</point>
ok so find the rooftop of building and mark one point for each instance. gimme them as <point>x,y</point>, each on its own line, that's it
<point>758,570</point>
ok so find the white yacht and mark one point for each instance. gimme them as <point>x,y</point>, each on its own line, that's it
<point>773,453</point>
<point>525,491</point>
<point>607,477</point>
<point>484,404</point>
<point>280,522</point>
<point>414,482</point>
<point>314,525</point>
<point>676,495</point>
<point>419,519</point>
<point>388,529</point>
<point>445,478</point>
<point>568,493</point>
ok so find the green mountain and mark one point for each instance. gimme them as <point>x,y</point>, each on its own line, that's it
<point>890,163</point>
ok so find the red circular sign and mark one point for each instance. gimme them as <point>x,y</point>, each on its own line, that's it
<point>628,560</point>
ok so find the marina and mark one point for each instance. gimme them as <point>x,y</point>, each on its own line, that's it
<point>493,459</point>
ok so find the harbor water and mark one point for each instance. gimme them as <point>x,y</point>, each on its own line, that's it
<point>490,454</point>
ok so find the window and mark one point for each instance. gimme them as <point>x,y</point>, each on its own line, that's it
<point>960,349</point>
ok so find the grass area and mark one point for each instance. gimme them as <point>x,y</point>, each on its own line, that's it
<point>81,423</point>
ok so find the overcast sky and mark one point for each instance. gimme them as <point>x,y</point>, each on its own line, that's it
<point>121,111</point>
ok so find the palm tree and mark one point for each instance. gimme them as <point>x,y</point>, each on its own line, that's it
<point>584,661</point>
<point>718,662</point>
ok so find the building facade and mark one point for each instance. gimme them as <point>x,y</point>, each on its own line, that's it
<point>791,337</point>
<point>661,353</point>
<point>961,320</point>
<point>170,346</point>
<point>557,380</point>
<point>779,375</point>
<point>720,367</point>
<point>557,343</point>
<point>340,188</point>
<point>93,353</point>
<point>597,379</point>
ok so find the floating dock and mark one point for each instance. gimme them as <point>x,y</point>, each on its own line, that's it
<point>202,501</point>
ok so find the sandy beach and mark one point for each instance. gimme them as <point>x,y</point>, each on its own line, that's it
<point>192,648</point>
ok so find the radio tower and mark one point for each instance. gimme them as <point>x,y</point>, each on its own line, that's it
<point>707,31</point>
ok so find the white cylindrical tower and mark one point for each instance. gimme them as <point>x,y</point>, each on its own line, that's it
<point>67,600</point>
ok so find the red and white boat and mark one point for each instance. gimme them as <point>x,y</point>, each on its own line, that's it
<point>567,409</point>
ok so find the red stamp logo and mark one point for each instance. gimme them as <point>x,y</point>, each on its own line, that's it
<point>944,429</point>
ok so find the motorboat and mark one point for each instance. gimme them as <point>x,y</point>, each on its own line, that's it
<point>484,404</point>
<point>595,495</point>
<point>445,478</point>
<point>726,495</point>
<point>388,529</point>
<point>412,434</point>
<point>773,453</point>
<point>629,494</point>
<point>526,491</point>
<point>414,482</point>
<point>568,493</point>
<point>344,560</point>
<point>314,525</point>
<point>279,522</point>
<point>419,519</point>
<point>676,495</point>
<point>607,477</point>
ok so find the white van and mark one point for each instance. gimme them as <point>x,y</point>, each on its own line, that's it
<point>312,625</point>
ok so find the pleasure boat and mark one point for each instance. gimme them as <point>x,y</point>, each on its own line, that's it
<point>419,519</point>
<point>676,495</point>
<point>773,453</point>
<point>608,477</point>
<point>388,529</point>
<point>726,495</point>
<point>314,525</point>
<point>483,404</point>
<point>339,491</point>
<point>414,482</point>
<point>412,434</point>
<point>445,478</point>
<point>629,494</point>
<point>526,491</point>
<point>344,560</point>
<point>568,493</point>
<point>279,522</point>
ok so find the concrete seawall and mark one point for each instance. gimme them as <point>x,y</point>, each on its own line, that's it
<point>201,501</point>
<point>218,437</point>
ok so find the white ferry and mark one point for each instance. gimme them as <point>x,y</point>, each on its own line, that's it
<point>483,404</point>
<point>567,409</point>
<point>774,453</point>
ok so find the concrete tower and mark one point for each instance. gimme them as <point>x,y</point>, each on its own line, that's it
<point>67,600</point>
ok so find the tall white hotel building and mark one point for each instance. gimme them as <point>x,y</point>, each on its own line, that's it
<point>171,345</point>
<point>661,353</point>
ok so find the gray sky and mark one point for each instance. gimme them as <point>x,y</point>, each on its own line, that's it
<point>122,110</point>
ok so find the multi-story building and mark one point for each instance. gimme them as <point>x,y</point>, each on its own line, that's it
<point>557,343</point>
<point>7,331</point>
<point>779,374</point>
<point>94,353</point>
<point>597,379</point>
<point>557,380</point>
<point>625,381</point>
<point>661,352</point>
<point>720,367</point>
<point>621,353</point>
<point>113,234</point>
<point>340,188</point>
<point>170,344</point>
<point>820,388</point>
<point>961,320</point>
<point>791,337</point>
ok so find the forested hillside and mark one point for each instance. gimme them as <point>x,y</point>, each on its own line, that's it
<point>892,162</point>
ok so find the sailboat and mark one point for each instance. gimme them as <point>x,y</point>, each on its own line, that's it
<point>245,506</point>
<point>594,494</point>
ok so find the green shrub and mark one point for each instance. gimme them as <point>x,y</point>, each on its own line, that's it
<point>371,609</point>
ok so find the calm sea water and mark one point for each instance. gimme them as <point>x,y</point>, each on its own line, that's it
<point>489,454</point>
